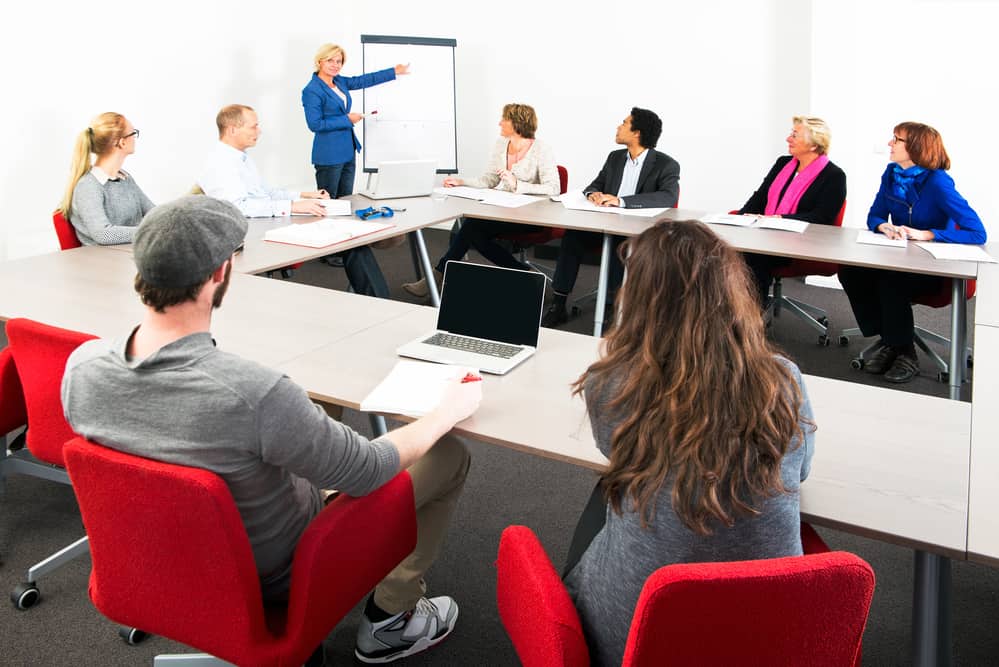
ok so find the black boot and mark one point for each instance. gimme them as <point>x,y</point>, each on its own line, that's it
<point>557,312</point>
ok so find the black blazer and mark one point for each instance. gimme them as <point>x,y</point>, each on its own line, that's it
<point>819,204</point>
<point>658,182</point>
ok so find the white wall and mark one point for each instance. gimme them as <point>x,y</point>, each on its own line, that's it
<point>875,64</point>
<point>713,70</point>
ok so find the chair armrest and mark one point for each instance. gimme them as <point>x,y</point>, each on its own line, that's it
<point>13,413</point>
<point>534,605</point>
<point>344,552</point>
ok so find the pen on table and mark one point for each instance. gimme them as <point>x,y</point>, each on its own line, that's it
<point>471,377</point>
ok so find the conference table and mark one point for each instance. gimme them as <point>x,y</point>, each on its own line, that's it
<point>903,483</point>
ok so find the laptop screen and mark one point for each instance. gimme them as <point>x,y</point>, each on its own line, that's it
<point>492,302</point>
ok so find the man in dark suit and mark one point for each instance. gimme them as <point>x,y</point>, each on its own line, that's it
<point>636,176</point>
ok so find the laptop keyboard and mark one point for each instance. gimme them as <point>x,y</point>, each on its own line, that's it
<point>500,350</point>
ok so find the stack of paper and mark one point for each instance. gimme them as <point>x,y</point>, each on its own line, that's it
<point>577,202</point>
<point>487,196</point>
<point>783,224</point>
<point>413,388</point>
<point>729,219</point>
<point>324,233</point>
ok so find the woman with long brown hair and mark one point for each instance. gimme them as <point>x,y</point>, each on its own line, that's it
<point>708,431</point>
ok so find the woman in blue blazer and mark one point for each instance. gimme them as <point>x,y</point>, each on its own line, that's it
<point>917,201</point>
<point>327,104</point>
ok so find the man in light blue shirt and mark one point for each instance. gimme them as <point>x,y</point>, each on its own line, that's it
<point>231,175</point>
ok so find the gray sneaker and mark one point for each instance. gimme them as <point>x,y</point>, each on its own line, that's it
<point>426,624</point>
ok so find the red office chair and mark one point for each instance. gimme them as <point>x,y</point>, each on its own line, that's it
<point>522,241</point>
<point>171,556</point>
<point>13,413</point>
<point>786,611</point>
<point>65,231</point>
<point>39,353</point>
<point>937,299</point>
<point>813,316</point>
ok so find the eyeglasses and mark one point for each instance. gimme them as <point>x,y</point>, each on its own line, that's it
<point>133,133</point>
<point>895,139</point>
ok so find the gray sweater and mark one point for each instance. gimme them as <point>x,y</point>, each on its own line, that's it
<point>107,213</point>
<point>606,582</point>
<point>192,404</point>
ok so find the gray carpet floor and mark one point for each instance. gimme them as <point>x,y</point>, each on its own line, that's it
<point>504,487</point>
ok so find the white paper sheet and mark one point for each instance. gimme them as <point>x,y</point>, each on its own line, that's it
<point>324,232</point>
<point>783,224</point>
<point>488,196</point>
<point>958,251</point>
<point>576,201</point>
<point>412,388</point>
<point>336,206</point>
<point>729,219</point>
<point>873,238</point>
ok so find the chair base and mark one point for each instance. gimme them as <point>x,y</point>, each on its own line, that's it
<point>920,337</point>
<point>813,316</point>
<point>26,594</point>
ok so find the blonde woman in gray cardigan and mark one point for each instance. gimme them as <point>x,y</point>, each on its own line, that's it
<point>102,200</point>
<point>519,163</point>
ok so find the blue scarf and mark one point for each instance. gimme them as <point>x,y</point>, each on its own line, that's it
<point>903,181</point>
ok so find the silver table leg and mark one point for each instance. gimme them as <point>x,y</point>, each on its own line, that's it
<point>958,338</point>
<point>428,271</point>
<point>598,315</point>
<point>931,627</point>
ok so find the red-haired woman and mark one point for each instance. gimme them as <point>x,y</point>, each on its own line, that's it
<point>917,200</point>
<point>708,431</point>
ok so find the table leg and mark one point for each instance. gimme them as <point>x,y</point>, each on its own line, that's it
<point>958,338</point>
<point>598,314</point>
<point>378,425</point>
<point>428,271</point>
<point>931,635</point>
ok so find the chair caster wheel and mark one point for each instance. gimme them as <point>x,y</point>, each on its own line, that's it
<point>132,636</point>
<point>824,341</point>
<point>843,341</point>
<point>25,596</point>
<point>857,364</point>
<point>824,321</point>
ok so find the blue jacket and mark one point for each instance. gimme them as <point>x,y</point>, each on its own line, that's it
<point>326,115</point>
<point>937,206</point>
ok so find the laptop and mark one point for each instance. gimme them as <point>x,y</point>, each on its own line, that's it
<point>489,318</point>
<point>402,178</point>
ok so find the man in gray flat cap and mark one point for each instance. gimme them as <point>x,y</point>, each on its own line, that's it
<point>165,392</point>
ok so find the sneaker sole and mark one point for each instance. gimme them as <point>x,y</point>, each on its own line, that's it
<point>420,645</point>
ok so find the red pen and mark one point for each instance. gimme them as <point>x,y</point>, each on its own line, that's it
<point>469,377</point>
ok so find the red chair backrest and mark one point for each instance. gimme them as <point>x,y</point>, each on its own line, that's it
<point>13,413</point>
<point>563,179</point>
<point>784,611</point>
<point>40,352</point>
<point>65,232</point>
<point>534,606</point>
<point>942,296</point>
<point>171,556</point>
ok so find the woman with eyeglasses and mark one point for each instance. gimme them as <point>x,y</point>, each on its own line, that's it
<point>917,200</point>
<point>803,185</point>
<point>708,431</point>
<point>102,200</point>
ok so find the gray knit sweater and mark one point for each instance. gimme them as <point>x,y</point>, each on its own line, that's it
<point>192,404</point>
<point>606,582</point>
<point>108,213</point>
